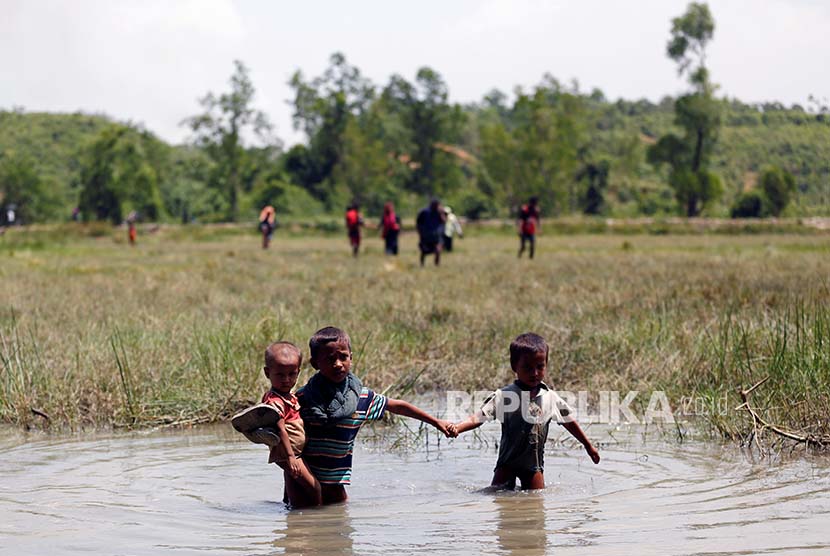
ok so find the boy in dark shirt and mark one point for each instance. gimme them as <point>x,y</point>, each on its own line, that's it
<point>334,406</point>
<point>525,410</point>
<point>430,224</point>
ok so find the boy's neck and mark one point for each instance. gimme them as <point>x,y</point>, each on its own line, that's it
<point>532,389</point>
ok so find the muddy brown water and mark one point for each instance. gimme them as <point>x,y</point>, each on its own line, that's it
<point>208,490</point>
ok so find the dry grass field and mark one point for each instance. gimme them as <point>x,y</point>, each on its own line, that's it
<point>95,333</point>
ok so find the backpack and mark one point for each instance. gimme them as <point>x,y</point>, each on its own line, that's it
<point>352,218</point>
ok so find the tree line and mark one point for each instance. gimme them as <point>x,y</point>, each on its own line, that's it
<point>405,141</point>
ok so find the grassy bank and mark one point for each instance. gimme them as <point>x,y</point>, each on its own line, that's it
<point>95,333</point>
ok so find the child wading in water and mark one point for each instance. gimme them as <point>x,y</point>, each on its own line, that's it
<point>334,405</point>
<point>279,425</point>
<point>525,410</point>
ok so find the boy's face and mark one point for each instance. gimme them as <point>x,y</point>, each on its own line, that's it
<point>283,372</point>
<point>530,368</point>
<point>334,361</point>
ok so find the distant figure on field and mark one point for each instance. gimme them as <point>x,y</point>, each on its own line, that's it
<point>451,227</point>
<point>131,231</point>
<point>528,225</point>
<point>11,216</point>
<point>354,221</point>
<point>430,224</point>
<point>76,214</point>
<point>267,222</point>
<point>390,227</point>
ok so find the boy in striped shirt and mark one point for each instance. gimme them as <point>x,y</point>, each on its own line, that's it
<point>334,405</point>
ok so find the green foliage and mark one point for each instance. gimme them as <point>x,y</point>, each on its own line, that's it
<point>778,186</point>
<point>535,147</point>
<point>324,109</point>
<point>185,191</point>
<point>120,173</point>
<point>689,35</point>
<point>287,198</point>
<point>698,114</point>
<point>52,143</point>
<point>595,176</point>
<point>220,129</point>
<point>22,187</point>
<point>749,205</point>
<point>406,141</point>
<point>775,188</point>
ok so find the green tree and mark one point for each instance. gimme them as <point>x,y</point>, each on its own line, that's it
<point>23,187</point>
<point>778,187</point>
<point>185,189</point>
<point>595,176</point>
<point>698,114</point>
<point>323,109</point>
<point>537,151</point>
<point>120,173</point>
<point>220,132</point>
<point>690,33</point>
<point>749,205</point>
<point>433,125</point>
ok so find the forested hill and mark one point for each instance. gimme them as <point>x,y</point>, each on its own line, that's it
<point>490,155</point>
<point>53,142</point>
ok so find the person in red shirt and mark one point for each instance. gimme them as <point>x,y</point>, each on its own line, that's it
<point>354,221</point>
<point>528,225</point>
<point>390,227</point>
<point>131,230</point>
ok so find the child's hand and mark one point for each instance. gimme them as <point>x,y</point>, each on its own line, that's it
<point>294,467</point>
<point>447,428</point>
<point>592,452</point>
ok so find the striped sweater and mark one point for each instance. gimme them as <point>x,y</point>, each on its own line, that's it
<point>328,449</point>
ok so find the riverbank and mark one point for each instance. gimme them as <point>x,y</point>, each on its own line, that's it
<point>96,334</point>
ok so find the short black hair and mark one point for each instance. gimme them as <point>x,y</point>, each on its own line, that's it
<point>527,344</point>
<point>534,200</point>
<point>324,336</point>
<point>272,350</point>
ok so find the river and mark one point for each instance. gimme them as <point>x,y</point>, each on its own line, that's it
<point>207,490</point>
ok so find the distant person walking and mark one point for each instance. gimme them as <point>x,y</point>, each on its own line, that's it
<point>131,231</point>
<point>390,227</point>
<point>430,224</point>
<point>267,223</point>
<point>354,221</point>
<point>451,227</point>
<point>528,225</point>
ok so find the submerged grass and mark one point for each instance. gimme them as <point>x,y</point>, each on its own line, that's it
<point>94,333</point>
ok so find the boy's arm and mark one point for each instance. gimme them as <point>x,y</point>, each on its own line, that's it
<point>576,431</point>
<point>293,464</point>
<point>471,423</point>
<point>400,407</point>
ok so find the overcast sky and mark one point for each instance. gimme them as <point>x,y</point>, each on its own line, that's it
<point>149,61</point>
